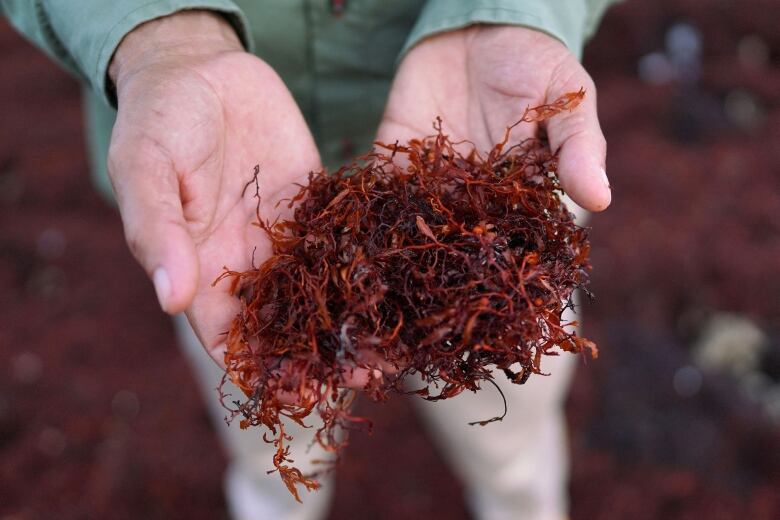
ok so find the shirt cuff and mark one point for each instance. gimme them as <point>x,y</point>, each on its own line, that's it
<point>564,20</point>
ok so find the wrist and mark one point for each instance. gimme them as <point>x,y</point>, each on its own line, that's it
<point>182,34</point>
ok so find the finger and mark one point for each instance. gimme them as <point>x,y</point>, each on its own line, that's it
<point>359,377</point>
<point>582,149</point>
<point>147,192</point>
<point>375,359</point>
<point>355,378</point>
<point>371,365</point>
<point>211,315</point>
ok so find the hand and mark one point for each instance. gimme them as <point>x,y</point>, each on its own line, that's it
<point>480,79</point>
<point>196,113</point>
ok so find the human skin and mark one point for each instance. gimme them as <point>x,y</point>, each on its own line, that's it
<point>196,113</point>
<point>480,79</point>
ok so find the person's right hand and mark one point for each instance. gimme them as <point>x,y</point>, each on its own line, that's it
<point>195,114</point>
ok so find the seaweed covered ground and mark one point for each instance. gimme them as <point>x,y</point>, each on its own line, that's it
<point>99,417</point>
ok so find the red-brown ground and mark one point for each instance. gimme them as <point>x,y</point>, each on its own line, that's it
<point>100,418</point>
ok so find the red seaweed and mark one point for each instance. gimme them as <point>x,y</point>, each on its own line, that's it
<point>444,265</point>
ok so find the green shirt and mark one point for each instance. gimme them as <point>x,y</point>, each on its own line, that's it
<point>337,57</point>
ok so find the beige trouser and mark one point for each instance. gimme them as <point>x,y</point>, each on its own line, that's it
<point>514,469</point>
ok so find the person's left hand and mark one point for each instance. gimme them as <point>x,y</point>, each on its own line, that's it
<point>480,79</point>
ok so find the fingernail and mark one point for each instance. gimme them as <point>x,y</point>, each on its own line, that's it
<point>604,179</point>
<point>162,285</point>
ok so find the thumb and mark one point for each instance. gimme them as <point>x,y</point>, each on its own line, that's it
<point>149,201</point>
<point>582,149</point>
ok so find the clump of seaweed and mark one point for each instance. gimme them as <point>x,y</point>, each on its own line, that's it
<point>444,265</point>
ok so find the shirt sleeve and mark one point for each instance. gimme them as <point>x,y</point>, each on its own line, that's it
<point>82,35</point>
<point>570,21</point>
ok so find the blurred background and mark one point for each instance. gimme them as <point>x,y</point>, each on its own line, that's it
<point>679,418</point>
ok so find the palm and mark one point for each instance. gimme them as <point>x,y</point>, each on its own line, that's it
<point>479,80</point>
<point>202,128</point>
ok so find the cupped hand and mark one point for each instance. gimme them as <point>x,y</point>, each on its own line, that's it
<point>195,114</point>
<point>480,79</point>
